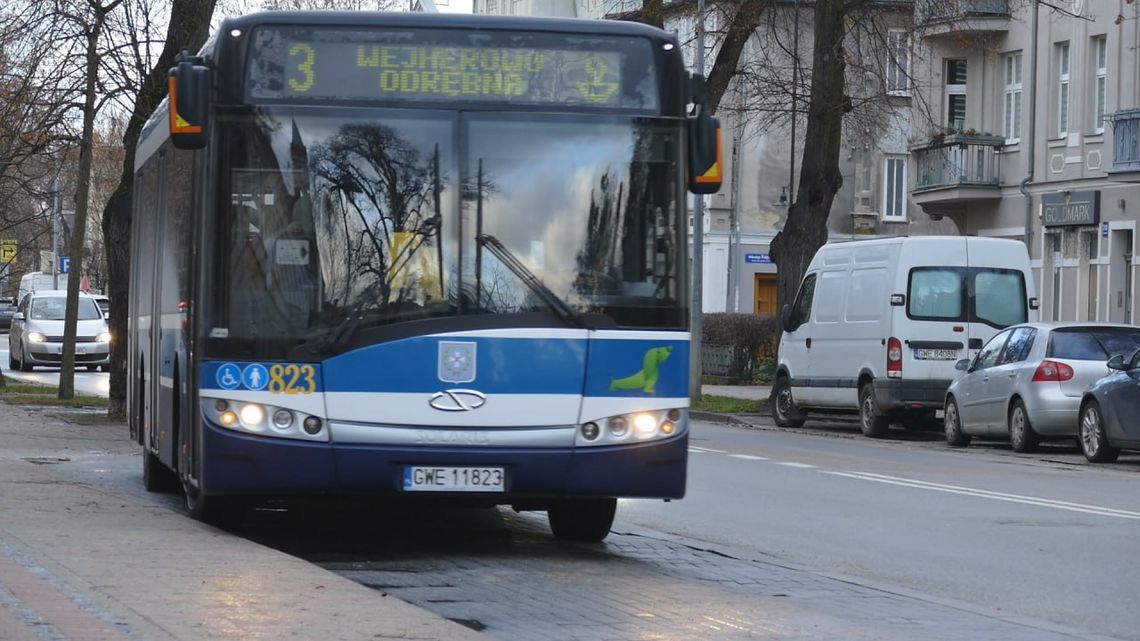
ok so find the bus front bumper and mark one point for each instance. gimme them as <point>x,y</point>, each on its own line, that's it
<point>236,463</point>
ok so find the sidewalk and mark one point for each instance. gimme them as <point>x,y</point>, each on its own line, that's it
<point>82,559</point>
<point>747,392</point>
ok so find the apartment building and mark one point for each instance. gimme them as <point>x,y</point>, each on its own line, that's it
<point>1037,137</point>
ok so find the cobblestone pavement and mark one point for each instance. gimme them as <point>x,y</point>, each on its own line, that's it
<point>517,583</point>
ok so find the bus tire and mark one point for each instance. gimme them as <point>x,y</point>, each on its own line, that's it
<point>156,476</point>
<point>587,520</point>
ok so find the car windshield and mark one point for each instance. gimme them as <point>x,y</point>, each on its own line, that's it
<point>1093,344</point>
<point>55,309</point>
<point>332,214</point>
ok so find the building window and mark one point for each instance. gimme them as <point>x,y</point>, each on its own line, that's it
<point>898,63</point>
<point>1100,57</point>
<point>1063,89</point>
<point>1012,117</point>
<point>956,94</point>
<point>894,188</point>
<point>492,6</point>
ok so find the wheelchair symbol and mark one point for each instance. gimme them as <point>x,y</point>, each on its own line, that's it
<point>229,376</point>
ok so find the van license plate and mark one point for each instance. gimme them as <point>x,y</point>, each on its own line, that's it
<point>453,479</point>
<point>935,354</point>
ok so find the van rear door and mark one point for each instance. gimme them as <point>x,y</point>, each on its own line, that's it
<point>1000,287</point>
<point>932,326</point>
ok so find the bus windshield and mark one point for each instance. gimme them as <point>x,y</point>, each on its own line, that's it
<point>385,216</point>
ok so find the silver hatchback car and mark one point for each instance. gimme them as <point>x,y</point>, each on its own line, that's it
<point>1027,381</point>
<point>36,337</point>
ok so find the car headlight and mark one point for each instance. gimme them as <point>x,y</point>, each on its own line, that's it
<point>36,337</point>
<point>105,337</point>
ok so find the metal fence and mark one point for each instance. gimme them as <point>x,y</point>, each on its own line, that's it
<point>958,160</point>
<point>938,10</point>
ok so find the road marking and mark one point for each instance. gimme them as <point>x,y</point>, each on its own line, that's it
<point>794,464</point>
<point>987,494</point>
<point>748,457</point>
<point>694,448</point>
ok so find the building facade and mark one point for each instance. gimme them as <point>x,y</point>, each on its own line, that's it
<point>1038,138</point>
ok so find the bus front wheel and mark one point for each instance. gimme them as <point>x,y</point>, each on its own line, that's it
<point>226,512</point>
<point>586,520</point>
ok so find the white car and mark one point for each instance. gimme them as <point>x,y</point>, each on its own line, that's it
<point>878,325</point>
<point>36,337</point>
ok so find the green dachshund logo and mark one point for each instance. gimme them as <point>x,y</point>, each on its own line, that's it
<point>646,379</point>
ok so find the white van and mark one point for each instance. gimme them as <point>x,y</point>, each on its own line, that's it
<point>38,282</point>
<point>878,325</point>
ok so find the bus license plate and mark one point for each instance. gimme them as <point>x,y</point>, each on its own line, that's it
<point>419,478</point>
<point>935,354</point>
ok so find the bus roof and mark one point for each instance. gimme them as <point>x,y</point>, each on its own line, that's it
<point>411,20</point>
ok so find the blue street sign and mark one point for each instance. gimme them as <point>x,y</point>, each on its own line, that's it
<point>757,259</point>
<point>64,264</point>
<point>1104,230</point>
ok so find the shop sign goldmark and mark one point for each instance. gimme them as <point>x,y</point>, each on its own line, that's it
<point>1070,208</point>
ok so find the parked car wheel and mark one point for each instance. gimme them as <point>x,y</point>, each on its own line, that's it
<point>25,366</point>
<point>11,360</point>
<point>954,435</point>
<point>1094,441</point>
<point>872,421</point>
<point>1022,438</point>
<point>783,406</point>
<point>104,368</point>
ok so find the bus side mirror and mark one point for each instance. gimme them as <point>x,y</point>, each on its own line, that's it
<point>704,153</point>
<point>190,82</point>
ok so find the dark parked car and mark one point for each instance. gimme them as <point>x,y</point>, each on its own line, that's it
<point>1109,410</point>
<point>6,311</point>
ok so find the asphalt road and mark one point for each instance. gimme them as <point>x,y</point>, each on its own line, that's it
<point>86,383</point>
<point>1043,538</point>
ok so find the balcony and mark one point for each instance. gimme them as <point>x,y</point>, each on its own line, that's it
<point>941,18</point>
<point>953,170</point>
<point>1126,146</point>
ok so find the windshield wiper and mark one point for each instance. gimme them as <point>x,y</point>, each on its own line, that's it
<point>560,307</point>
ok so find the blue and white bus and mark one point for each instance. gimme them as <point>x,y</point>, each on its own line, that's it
<point>418,255</point>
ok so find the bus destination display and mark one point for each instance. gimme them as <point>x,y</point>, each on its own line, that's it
<point>351,65</point>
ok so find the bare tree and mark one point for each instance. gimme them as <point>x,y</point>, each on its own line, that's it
<point>187,29</point>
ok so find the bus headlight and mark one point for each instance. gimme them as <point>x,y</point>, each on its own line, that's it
<point>282,419</point>
<point>636,427</point>
<point>264,420</point>
<point>645,424</point>
<point>252,414</point>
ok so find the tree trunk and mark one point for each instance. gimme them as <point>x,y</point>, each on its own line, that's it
<point>83,190</point>
<point>189,26</point>
<point>806,228</point>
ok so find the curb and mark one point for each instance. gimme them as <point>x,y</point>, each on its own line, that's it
<point>715,417</point>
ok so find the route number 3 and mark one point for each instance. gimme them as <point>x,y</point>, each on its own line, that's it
<point>292,379</point>
<point>304,67</point>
